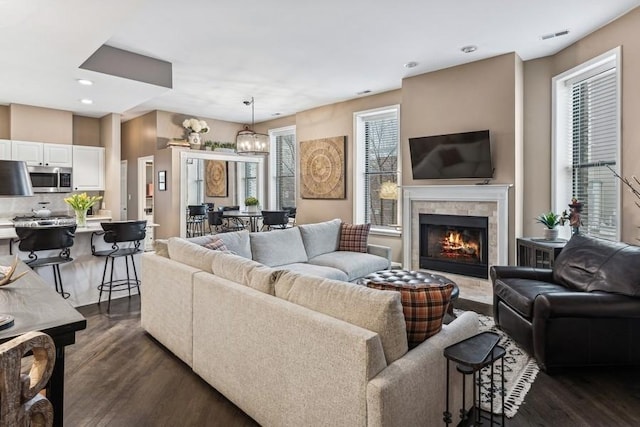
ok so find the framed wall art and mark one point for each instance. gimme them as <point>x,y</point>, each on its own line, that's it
<point>216,182</point>
<point>322,168</point>
<point>162,180</point>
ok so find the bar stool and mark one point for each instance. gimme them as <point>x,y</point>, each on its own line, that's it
<point>196,216</point>
<point>34,239</point>
<point>125,238</point>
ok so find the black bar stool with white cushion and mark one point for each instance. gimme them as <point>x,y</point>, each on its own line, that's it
<point>125,238</point>
<point>35,239</point>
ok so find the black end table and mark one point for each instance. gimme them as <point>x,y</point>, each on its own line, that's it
<point>471,355</point>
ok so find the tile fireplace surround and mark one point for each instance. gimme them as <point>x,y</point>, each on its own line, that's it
<point>491,201</point>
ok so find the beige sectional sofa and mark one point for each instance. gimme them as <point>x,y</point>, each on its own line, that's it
<point>295,349</point>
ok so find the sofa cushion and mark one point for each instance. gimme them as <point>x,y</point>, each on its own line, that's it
<point>520,294</point>
<point>320,238</point>
<point>424,307</point>
<point>592,264</point>
<point>278,247</point>
<point>353,264</point>
<point>237,242</point>
<point>190,253</point>
<point>245,271</point>
<point>216,244</point>
<point>316,270</point>
<point>161,247</point>
<point>353,237</point>
<point>377,311</point>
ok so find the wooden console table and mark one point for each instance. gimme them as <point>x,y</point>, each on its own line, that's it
<point>37,307</point>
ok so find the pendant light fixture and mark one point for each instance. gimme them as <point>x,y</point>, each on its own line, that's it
<point>249,142</point>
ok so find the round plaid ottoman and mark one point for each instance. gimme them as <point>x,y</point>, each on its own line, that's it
<point>412,277</point>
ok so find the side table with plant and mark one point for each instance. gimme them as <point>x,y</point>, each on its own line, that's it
<point>550,220</point>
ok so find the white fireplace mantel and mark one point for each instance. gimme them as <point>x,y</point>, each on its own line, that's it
<point>498,193</point>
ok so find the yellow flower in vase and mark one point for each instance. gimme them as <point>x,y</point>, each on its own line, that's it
<point>80,203</point>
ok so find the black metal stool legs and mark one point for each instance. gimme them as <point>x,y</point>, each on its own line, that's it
<point>57,278</point>
<point>112,284</point>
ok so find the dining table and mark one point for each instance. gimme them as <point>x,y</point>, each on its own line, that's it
<point>35,306</point>
<point>252,217</point>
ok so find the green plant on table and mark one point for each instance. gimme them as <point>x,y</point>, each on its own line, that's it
<point>251,201</point>
<point>550,219</point>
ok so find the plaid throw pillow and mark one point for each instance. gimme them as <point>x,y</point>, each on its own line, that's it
<point>353,237</point>
<point>216,244</point>
<point>424,307</point>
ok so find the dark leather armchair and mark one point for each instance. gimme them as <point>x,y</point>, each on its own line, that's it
<point>583,312</point>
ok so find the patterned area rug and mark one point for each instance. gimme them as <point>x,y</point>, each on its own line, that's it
<point>520,371</point>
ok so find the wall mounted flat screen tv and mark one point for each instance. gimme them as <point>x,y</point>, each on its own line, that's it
<point>457,155</point>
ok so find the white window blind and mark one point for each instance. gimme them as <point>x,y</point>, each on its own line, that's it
<point>284,178</point>
<point>250,179</point>
<point>593,145</point>
<point>381,136</point>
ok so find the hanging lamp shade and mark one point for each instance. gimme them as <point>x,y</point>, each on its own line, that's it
<point>249,142</point>
<point>14,179</point>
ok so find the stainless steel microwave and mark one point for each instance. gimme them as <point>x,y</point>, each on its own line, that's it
<point>48,179</point>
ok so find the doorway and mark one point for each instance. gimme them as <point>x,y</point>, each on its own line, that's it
<point>145,196</point>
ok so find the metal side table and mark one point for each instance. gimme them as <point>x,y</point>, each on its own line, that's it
<point>471,355</point>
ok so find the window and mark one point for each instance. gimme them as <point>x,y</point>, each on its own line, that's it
<point>247,179</point>
<point>586,143</point>
<point>377,168</point>
<point>282,187</point>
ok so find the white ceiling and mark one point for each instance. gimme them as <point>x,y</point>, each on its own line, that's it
<point>291,55</point>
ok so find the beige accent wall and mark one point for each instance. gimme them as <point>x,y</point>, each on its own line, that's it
<point>110,135</point>
<point>139,139</point>
<point>538,74</point>
<point>328,121</point>
<point>4,122</point>
<point>475,96</point>
<point>29,123</point>
<point>86,131</point>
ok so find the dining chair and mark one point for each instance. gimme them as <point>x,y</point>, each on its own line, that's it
<point>215,220</point>
<point>274,220</point>
<point>292,215</point>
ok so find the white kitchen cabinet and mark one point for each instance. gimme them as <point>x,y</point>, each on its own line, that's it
<point>88,168</point>
<point>58,155</point>
<point>42,154</point>
<point>5,149</point>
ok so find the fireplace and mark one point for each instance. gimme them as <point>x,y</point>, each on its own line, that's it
<point>454,244</point>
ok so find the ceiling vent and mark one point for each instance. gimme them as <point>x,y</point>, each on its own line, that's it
<point>552,35</point>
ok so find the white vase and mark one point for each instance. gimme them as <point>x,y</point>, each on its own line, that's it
<point>252,208</point>
<point>550,233</point>
<point>194,141</point>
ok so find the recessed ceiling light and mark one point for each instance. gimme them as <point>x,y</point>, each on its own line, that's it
<point>411,64</point>
<point>85,82</point>
<point>277,114</point>
<point>469,49</point>
<point>86,101</point>
<point>363,92</point>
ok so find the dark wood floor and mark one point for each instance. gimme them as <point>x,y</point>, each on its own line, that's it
<point>117,375</point>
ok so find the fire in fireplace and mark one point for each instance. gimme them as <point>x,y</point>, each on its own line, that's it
<point>454,244</point>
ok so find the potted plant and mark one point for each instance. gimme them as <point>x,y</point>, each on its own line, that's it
<point>228,147</point>
<point>550,220</point>
<point>252,204</point>
<point>208,145</point>
<point>195,127</point>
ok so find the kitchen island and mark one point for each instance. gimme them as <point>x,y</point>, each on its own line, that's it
<point>82,276</point>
